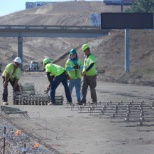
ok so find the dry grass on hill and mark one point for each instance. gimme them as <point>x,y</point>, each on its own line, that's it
<point>109,50</point>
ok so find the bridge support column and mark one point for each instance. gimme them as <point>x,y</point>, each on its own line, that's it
<point>126,50</point>
<point>20,48</point>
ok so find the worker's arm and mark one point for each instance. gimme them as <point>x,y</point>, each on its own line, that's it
<point>50,79</point>
<point>48,88</point>
<point>68,67</point>
<point>6,79</point>
<point>90,66</point>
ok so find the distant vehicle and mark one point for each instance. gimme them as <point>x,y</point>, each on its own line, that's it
<point>34,66</point>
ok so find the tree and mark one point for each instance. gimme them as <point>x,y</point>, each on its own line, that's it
<point>142,6</point>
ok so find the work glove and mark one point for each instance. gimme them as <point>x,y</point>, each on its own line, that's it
<point>5,84</point>
<point>76,67</point>
<point>47,90</point>
<point>69,77</point>
<point>83,73</point>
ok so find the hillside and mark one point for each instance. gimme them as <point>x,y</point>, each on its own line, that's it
<point>63,13</point>
<point>109,50</point>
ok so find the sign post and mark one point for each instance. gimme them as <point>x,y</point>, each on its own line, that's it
<point>20,49</point>
<point>127,21</point>
<point>127,50</point>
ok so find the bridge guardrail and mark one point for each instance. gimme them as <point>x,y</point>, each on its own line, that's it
<point>49,27</point>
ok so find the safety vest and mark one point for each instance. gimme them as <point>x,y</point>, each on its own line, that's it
<point>89,60</point>
<point>55,70</point>
<point>9,69</point>
<point>74,74</point>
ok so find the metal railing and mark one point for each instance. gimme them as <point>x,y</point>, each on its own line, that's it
<point>26,27</point>
<point>50,31</point>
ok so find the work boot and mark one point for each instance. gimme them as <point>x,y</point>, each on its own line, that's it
<point>93,103</point>
<point>51,103</point>
<point>70,102</point>
<point>81,103</point>
<point>5,103</point>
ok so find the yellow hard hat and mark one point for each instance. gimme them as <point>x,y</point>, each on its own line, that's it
<point>85,46</point>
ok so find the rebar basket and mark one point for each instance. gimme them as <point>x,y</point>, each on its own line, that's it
<point>28,96</point>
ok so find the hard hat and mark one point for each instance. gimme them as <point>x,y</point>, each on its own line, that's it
<point>46,61</point>
<point>85,46</point>
<point>73,51</point>
<point>18,60</point>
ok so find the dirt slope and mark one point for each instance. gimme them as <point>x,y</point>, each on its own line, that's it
<point>109,50</point>
<point>63,13</point>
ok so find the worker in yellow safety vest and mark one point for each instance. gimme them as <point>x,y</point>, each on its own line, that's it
<point>12,74</point>
<point>89,75</point>
<point>74,68</point>
<point>56,75</point>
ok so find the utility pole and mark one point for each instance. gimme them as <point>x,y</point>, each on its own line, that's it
<point>20,49</point>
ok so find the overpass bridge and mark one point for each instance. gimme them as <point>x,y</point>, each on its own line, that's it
<point>53,31</point>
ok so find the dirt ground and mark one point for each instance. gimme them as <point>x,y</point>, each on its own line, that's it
<point>74,131</point>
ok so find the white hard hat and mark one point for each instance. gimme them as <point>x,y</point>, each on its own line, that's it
<point>18,60</point>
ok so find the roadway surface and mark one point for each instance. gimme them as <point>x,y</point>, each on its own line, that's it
<point>71,132</point>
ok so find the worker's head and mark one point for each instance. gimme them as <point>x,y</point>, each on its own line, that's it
<point>73,54</point>
<point>17,61</point>
<point>73,51</point>
<point>46,61</point>
<point>86,49</point>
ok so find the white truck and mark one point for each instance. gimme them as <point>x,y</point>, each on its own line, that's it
<point>34,66</point>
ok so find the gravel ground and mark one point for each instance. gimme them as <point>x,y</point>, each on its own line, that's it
<point>13,143</point>
<point>66,130</point>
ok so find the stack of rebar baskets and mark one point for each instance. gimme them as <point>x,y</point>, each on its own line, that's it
<point>28,96</point>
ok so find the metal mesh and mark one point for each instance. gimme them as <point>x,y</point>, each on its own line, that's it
<point>29,96</point>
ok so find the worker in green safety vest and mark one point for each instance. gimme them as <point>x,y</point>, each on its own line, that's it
<point>74,68</point>
<point>89,75</point>
<point>12,74</point>
<point>56,75</point>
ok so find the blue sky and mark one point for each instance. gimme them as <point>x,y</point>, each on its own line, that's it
<point>11,6</point>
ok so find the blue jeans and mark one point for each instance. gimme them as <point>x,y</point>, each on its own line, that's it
<point>62,78</point>
<point>77,84</point>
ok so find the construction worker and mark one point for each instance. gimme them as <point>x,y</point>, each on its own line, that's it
<point>74,68</point>
<point>89,75</point>
<point>56,75</point>
<point>12,74</point>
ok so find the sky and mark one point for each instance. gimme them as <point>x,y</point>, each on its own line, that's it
<point>11,6</point>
